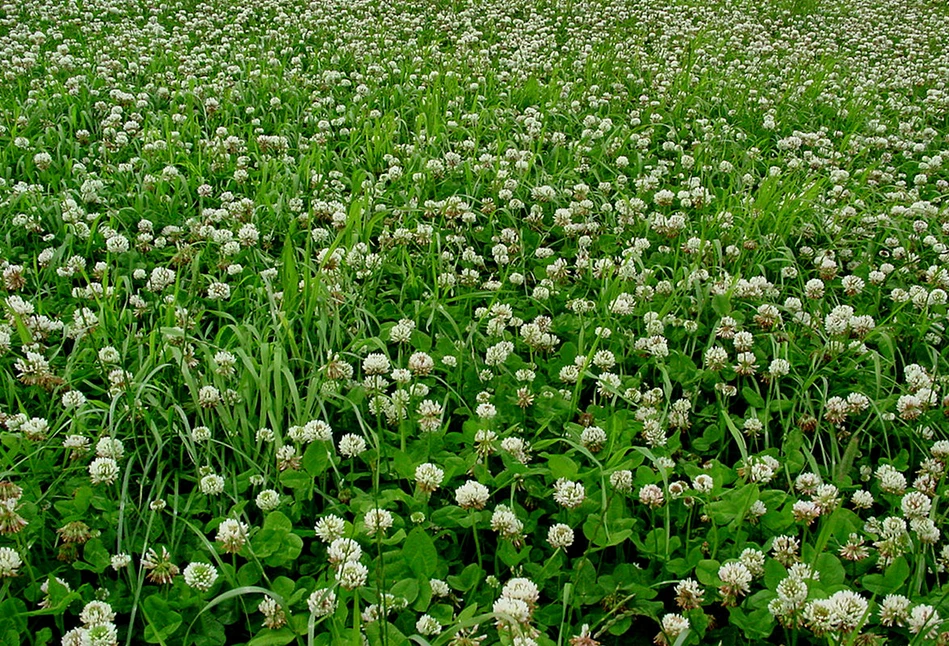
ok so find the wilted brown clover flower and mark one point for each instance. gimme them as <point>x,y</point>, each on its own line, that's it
<point>274,616</point>
<point>232,535</point>
<point>10,521</point>
<point>75,532</point>
<point>585,638</point>
<point>159,566</point>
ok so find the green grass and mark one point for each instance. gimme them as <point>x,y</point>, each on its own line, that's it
<point>371,273</point>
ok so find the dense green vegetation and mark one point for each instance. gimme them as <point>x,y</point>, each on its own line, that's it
<point>485,322</point>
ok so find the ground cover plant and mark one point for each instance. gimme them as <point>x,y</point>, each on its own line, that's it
<point>557,322</point>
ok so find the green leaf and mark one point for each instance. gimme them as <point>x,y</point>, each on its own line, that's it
<point>896,575</point>
<point>420,553</point>
<point>161,621</point>
<point>316,459</point>
<point>407,589</point>
<point>284,586</point>
<point>562,467</point>
<point>890,581</point>
<point>621,626</point>
<point>403,463</point>
<point>682,368</point>
<point>43,637</point>
<point>12,611</point>
<point>468,578</point>
<point>721,305</point>
<point>59,596</point>
<point>711,436</point>
<point>734,504</point>
<point>277,521</point>
<point>756,625</point>
<point>296,480</point>
<point>268,637</point>
<point>753,398</point>
<point>95,555</point>
<point>774,573</point>
<point>830,569</point>
<point>586,589</point>
<point>658,543</point>
<point>275,542</point>
<point>249,574</point>
<point>510,555</point>
<point>707,572</point>
<point>393,636</point>
<point>210,632</point>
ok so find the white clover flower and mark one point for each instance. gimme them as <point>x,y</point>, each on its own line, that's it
<point>10,562</point>
<point>894,610</point>
<point>622,480</point>
<point>428,625</point>
<point>420,363</point>
<point>779,368</point>
<point>505,522</point>
<point>73,399</point>
<point>76,637</point>
<point>560,536</point>
<point>498,354</point>
<point>200,576</point>
<point>103,635</point>
<point>472,495</point>
<point>103,471</point>
<point>862,499</point>
<point>268,500</point>
<point>523,589</point>
<point>703,483</point>
<point>651,495</point>
<point>593,438</point>
<point>352,574</point>
<point>439,588</point>
<point>518,447</point>
<point>322,602</point>
<point>212,484</point>
<point>891,480</point>
<point>673,625</point>
<point>430,416</point>
<point>35,428</point>
<point>209,396</point>
<point>377,520</point>
<point>351,445</point>
<point>342,550</point>
<point>926,530</point>
<point>428,476</point>
<point>716,358</point>
<point>200,434</point>
<point>232,535</point>
<point>43,160</point>
<point>568,493</point>
<point>486,411</point>
<point>329,528</point>
<point>925,620</point>
<point>312,431</point>
<point>916,505</point>
<point>753,560</point>
<point>219,291</point>
<point>117,244</point>
<point>96,613</point>
<point>735,578</point>
<point>108,447</point>
<point>109,355</point>
<point>375,364</point>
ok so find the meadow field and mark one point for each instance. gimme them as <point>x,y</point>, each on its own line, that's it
<point>474,322</point>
